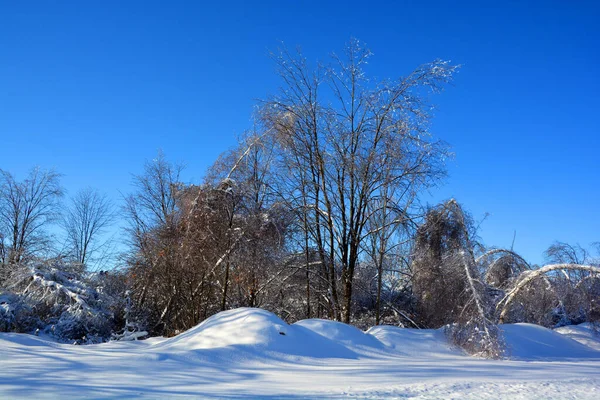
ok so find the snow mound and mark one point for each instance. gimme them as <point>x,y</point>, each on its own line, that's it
<point>251,353</point>
<point>20,339</point>
<point>255,332</point>
<point>246,333</point>
<point>534,342</point>
<point>582,333</point>
<point>414,342</point>
<point>339,332</point>
<point>242,326</point>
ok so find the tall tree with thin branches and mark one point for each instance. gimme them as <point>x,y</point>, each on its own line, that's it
<point>85,220</point>
<point>344,138</point>
<point>26,209</point>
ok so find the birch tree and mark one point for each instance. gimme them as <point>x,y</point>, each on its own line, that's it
<point>528,277</point>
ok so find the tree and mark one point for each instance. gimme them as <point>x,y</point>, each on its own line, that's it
<point>389,229</point>
<point>343,140</point>
<point>439,281</point>
<point>26,208</point>
<point>256,220</point>
<point>155,237</point>
<point>200,249</point>
<point>565,253</point>
<point>564,292</point>
<point>84,221</point>
<point>447,282</point>
<point>501,266</point>
<point>527,277</point>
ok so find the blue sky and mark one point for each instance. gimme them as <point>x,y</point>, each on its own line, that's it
<point>93,90</point>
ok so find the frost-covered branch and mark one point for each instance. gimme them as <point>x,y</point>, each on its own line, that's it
<point>528,276</point>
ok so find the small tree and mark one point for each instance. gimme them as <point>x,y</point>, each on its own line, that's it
<point>26,209</point>
<point>85,221</point>
<point>155,237</point>
<point>447,282</point>
<point>255,218</point>
<point>439,281</point>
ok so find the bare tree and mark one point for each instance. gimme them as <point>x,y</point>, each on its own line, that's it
<point>565,253</point>
<point>389,228</point>
<point>26,208</point>
<point>352,138</point>
<point>253,215</point>
<point>85,221</point>
<point>501,266</point>
<point>155,238</point>
<point>154,203</point>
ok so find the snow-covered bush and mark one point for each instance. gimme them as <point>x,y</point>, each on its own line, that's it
<point>132,329</point>
<point>479,338</point>
<point>16,315</point>
<point>60,301</point>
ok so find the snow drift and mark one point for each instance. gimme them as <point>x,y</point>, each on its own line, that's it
<point>255,332</point>
<point>584,333</point>
<point>534,342</point>
<point>253,353</point>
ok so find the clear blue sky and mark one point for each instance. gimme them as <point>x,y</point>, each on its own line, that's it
<point>93,90</point>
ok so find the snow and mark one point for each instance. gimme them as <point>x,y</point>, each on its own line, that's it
<point>251,353</point>
<point>253,333</point>
<point>534,342</point>
<point>415,342</point>
<point>342,334</point>
<point>583,333</point>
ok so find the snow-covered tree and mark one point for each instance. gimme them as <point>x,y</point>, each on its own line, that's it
<point>447,282</point>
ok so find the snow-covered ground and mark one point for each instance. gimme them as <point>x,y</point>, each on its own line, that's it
<point>252,353</point>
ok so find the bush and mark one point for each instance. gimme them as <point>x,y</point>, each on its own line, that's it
<point>62,302</point>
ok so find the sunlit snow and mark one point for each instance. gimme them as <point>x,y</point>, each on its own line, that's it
<point>251,353</point>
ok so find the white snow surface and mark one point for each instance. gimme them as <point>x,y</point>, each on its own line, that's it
<point>583,333</point>
<point>251,353</point>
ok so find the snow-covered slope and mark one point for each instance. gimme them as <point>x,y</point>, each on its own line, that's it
<point>415,342</point>
<point>533,342</point>
<point>252,353</point>
<point>583,333</point>
<point>254,333</point>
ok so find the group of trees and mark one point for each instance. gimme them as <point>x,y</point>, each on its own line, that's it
<point>29,207</point>
<point>46,278</point>
<point>315,213</point>
<point>200,249</point>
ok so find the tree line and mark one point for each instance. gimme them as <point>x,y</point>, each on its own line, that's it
<point>316,213</point>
